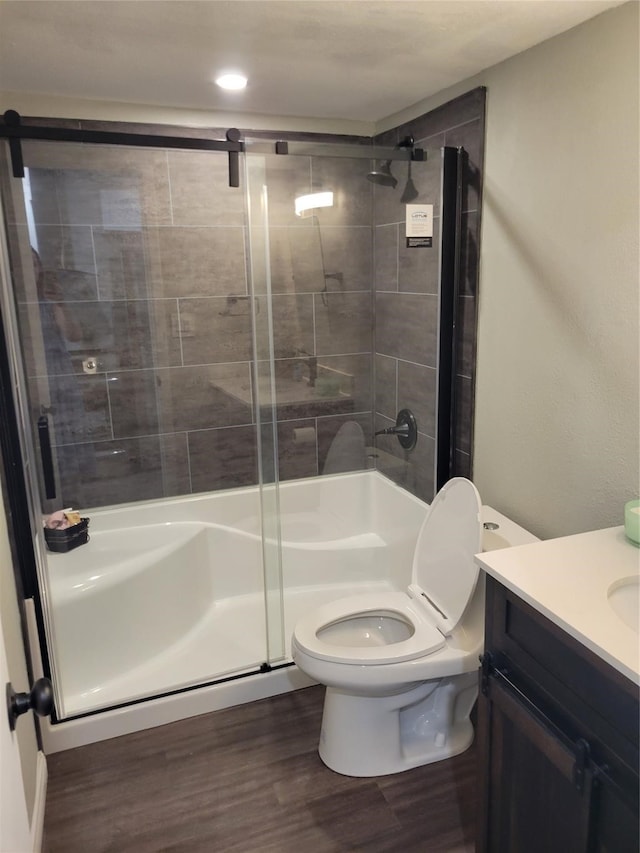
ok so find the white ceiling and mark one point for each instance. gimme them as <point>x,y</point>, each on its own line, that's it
<point>341,59</point>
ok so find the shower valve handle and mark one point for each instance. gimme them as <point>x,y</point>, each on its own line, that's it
<point>406,429</point>
<point>402,429</point>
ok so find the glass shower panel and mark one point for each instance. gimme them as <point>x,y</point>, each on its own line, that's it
<point>315,375</point>
<point>264,399</point>
<point>139,255</point>
<point>321,285</point>
<point>137,333</point>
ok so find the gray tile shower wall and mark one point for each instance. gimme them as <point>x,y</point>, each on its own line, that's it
<point>146,257</point>
<point>406,284</point>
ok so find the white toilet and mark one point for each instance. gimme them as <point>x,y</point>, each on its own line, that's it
<point>401,667</point>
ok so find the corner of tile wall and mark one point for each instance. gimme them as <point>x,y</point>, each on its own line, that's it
<point>406,297</point>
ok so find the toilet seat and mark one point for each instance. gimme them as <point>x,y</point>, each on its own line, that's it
<point>443,579</point>
<point>426,638</point>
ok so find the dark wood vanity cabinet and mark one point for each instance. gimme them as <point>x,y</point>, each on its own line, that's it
<point>557,740</point>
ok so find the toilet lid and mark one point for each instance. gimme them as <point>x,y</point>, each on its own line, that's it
<point>444,573</point>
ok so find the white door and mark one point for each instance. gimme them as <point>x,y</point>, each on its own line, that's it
<point>15,833</point>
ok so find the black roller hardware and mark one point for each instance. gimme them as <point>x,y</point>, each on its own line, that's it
<point>233,135</point>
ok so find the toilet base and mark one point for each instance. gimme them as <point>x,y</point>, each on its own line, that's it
<point>378,735</point>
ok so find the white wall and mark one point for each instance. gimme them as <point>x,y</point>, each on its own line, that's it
<point>557,409</point>
<point>557,431</point>
<point>12,634</point>
<point>58,106</point>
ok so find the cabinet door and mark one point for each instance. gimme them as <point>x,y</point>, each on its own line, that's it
<point>615,830</point>
<point>534,802</point>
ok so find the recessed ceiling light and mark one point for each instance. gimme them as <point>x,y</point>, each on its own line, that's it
<point>231,80</point>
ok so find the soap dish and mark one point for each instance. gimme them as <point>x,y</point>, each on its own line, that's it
<point>632,521</point>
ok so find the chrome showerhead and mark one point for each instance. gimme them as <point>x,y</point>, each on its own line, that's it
<point>382,176</point>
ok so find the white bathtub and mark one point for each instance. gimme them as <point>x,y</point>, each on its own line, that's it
<point>170,594</point>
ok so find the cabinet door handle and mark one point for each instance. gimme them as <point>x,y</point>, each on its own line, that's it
<point>572,758</point>
<point>575,756</point>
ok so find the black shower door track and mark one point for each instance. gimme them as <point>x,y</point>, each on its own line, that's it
<point>14,131</point>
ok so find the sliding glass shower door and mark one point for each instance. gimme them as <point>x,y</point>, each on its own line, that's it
<point>182,349</point>
<point>134,317</point>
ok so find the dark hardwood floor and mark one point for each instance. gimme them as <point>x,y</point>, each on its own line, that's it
<point>249,779</point>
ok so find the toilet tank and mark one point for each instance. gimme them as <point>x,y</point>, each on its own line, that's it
<point>505,534</point>
<point>501,532</point>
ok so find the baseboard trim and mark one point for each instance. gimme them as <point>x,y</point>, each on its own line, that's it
<point>39,804</point>
<point>168,709</point>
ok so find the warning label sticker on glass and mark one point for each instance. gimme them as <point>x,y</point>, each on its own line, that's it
<point>419,225</point>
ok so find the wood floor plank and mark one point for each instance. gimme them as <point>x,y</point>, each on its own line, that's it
<point>249,780</point>
<point>355,818</point>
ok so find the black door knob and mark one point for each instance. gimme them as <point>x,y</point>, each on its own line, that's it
<point>39,700</point>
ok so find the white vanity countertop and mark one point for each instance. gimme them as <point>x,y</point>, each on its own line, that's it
<point>568,580</point>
